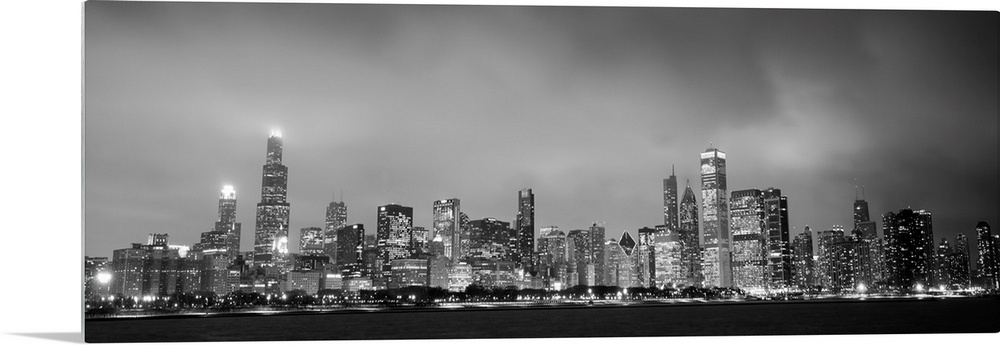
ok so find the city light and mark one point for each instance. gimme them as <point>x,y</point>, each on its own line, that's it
<point>104,277</point>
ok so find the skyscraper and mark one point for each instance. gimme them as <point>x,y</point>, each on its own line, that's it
<point>598,254</point>
<point>447,224</point>
<point>670,218</point>
<point>909,248</point>
<point>690,247</point>
<point>488,239</point>
<point>350,248</point>
<point>863,224</point>
<point>989,260</point>
<point>336,218</point>
<point>803,273</point>
<point>778,254</point>
<point>668,251</point>
<point>750,261</point>
<point>525,224</point>
<point>394,235</point>
<point>273,209</point>
<point>959,263</point>
<point>627,263</point>
<point>646,257</point>
<point>717,264</point>
<point>552,257</point>
<point>227,221</point>
<point>581,254</point>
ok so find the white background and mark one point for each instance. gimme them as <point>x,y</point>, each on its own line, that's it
<point>41,178</point>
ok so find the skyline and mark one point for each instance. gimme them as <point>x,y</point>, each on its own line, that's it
<point>588,148</point>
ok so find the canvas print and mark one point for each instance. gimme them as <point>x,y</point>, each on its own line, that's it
<point>258,171</point>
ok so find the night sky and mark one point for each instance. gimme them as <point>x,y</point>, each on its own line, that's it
<point>589,107</point>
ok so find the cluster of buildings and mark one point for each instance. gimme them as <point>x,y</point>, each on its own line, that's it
<point>736,238</point>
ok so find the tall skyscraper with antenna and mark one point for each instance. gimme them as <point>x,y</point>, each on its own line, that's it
<point>670,201</point>
<point>717,261</point>
<point>273,209</point>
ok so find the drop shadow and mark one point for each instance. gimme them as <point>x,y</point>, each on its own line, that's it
<point>69,337</point>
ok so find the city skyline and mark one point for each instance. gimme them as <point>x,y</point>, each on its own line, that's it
<point>585,150</point>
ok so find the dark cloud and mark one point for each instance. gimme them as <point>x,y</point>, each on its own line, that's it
<point>590,107</point>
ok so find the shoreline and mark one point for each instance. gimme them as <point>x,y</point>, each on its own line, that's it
<point>506,306</point>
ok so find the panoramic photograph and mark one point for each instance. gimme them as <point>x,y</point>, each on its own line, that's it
<point>292,171</point>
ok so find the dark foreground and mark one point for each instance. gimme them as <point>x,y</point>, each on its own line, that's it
<point>969,315</point>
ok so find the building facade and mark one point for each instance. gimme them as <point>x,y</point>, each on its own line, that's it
<point>273,210</point>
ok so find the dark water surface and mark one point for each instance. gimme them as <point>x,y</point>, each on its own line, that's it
<point>973,315</point>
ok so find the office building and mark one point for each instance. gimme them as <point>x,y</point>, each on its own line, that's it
<point>525,225</point>
<point>716,262</point>
<point>226,223</point>
<point>804,269</point>
<point>750,261</point>
<point>336,218</point>
<point>668,253</point>
<point>779,255</point>
<point>311,241</point>
<point>273,210</point>
<point>670,215</point>
<point>690,238</point>
<point>909,249</point>
<point>989,259</point>
<point>447,224</point>
<point>350,249</point>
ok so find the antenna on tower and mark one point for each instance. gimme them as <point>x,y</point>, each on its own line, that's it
<point>862,188</point>
<point>856,189</point>
<point>341,195</point>
<point>672,170</point>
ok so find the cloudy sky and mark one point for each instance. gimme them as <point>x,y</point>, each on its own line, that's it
<point>589,107</point>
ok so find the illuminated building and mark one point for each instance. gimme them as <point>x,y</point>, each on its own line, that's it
<point>311,262</point>
<point>350,247</point>
<point>525,224</point>
<point>333,281</point>
<point>612,256</point>
<point>827,254</point>
<point>668,253</point>
<point>273,209</point>
<point>597,254</point>
<point>307,281</point>
<point>437,271</point>
<point>862,220</point>
<point>750,265</point>
<point>989,258</point>
<point>552,258</point>
<point>779,256</point>
<point>645,258</point>
<point>227,221</point>
<point>421,237</point>
<point>311,241</point>
<point>909,248</point>
<point>459,277</point>
<point>716,262</point>
<point>336,218</point>
<point>145,269</point>
<point>625,262</point>
<point>447,224</point>
<point>803,266</point>
<point>355,285</point>
<point>670,215</point>
<point>582,255</point>
<point>488,239</point>
<point>493,274</point>
<point>688,233</point>
<point>941,271</point>
<point>215,272</point>
<point>97,277</point>
<point>395,223</point>
<point>959,262</point>
<point>408,272</point>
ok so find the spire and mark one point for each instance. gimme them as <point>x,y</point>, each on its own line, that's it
<point>672,170</point>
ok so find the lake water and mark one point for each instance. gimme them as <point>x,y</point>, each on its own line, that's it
<point>969,315</point>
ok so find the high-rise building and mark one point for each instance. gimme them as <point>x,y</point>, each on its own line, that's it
<point>580,248</point>
<point>689,235</point>
<point>717,262</point>
<point>421,239</point>
<point>909,249</point>
<point>408,272</point>
<point>311,241</point>
<point>645,257</point>
<point>941,272</point>
<point>959,263</point>
<point>668,254</point>
<point>670,216</point>
<point>989,258</point>
<point>552,257</point>
<point>447,224</point>
<point>273,210</point>
<point>525,224</point>
<point>350,250</point>
<point>863,225</point>
<point>227,223</point>
<point>395,223</point>
<point>336,218</point>
<point>626,265</point>
<point>598,254</point>
<point>488,239</point>
<point>145,269</point>
<point>802,260</point>
<point>826,269</point>
<point>779,255</point>
<point>750,247</point>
